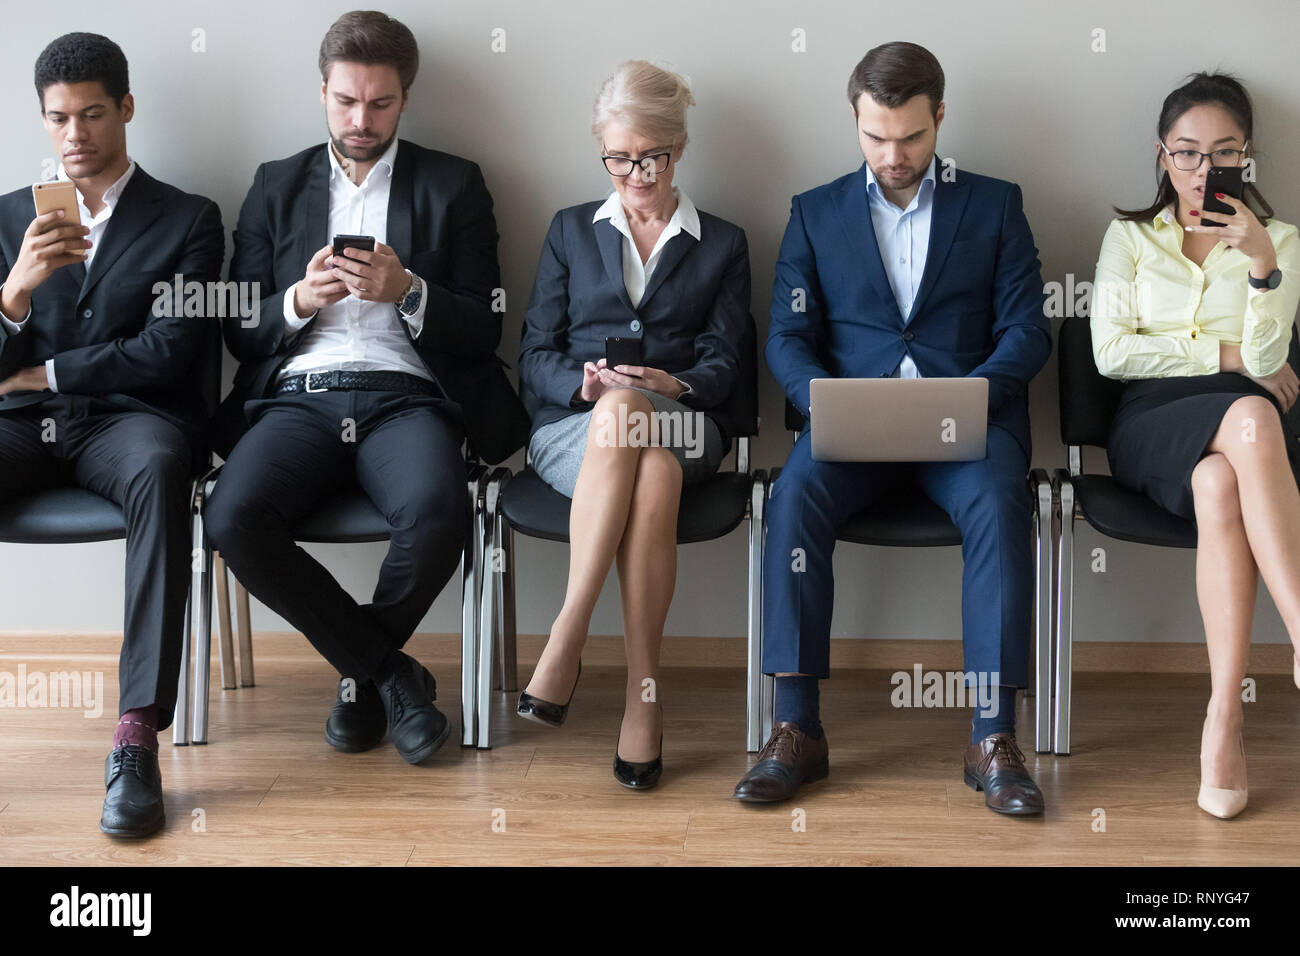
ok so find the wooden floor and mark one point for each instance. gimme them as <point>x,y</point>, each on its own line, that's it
<point>268,789</point>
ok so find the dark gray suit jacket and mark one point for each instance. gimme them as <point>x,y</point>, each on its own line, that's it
<point>692,316</point>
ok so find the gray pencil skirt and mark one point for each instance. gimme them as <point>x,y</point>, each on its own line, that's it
<point>557,449</point>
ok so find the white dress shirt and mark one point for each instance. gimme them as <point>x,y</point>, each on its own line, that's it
<point>903,236</point>
<point>636,275</point>
<point>98,224</point>
<point>355,334</point>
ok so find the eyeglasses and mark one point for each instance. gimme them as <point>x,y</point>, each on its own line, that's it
<point>650,164</point>
<point>1190,159</point>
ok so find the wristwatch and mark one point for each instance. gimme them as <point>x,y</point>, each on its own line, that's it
<point>409,303</point>
<point>1272,282</point>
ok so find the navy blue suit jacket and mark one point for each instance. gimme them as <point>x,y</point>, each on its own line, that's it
<point>691,319</point>
<point>978,312</point>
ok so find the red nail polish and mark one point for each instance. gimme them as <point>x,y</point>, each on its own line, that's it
<point>1193,212</point>
<point>1218,195</point>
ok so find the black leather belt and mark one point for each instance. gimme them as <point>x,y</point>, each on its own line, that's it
<point>357,381</point>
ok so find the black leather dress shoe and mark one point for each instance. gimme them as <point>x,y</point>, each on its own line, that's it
<point>416,726</point>
<point>639,776</point>
<point>788,759</point>
<point>996,766</point>
<point>543,711</point>
<point>133,805</point>
<point>357,725</point>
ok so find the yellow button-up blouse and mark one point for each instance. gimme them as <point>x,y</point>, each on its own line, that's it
<point>1155,313</point>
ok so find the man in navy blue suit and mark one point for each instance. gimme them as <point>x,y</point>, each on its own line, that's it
<point>905,268</point>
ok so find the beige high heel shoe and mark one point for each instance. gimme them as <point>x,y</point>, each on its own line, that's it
<point>1295,670</point>
<point>1221,802</point>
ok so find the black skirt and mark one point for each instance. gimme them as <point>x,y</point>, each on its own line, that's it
<point>1163,425</point>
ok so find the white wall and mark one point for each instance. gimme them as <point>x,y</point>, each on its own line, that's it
<point>1028,100</point>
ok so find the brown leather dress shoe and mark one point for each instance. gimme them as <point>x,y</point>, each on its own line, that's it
<point>996,766</point>
<point>789,758</point>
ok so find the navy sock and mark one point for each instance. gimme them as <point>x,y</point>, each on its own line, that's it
<point>1003,722</point>
<point>797,703</point>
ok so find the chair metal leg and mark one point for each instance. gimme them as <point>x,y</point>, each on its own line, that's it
<point>754,673</point>
<point>504,576</point>
<point>487,613</point>
<point>202,639</point>
<point>246,677</point>
<point>1043,606</point>
<point>181,713</point>
<point>470,562</point>
<point>225,645</point>
<point>768,682</point>
<point>1064,612</point>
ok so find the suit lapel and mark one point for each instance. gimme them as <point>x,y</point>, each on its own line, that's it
<point>399,205</point>
<point>610,241</point>
<point>669,257</point>
<point>949,204</point>
<point>316,203</point>
<point>855,217</point>
<point>139,205</point>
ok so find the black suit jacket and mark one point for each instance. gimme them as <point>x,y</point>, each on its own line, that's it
<point>100,326</point>
<point>691,319</point>
<point>441,227</point>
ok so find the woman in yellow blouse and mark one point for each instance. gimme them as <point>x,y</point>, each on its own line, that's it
<point>1197,319</point>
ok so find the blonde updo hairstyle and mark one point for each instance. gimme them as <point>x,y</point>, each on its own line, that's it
<point>646,98</point>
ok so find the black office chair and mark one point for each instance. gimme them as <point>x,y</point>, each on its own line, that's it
<point>70,515</point>
<point>903,517</point>
<point>1089,401</point>
<point>709,509</point>
<point>347,518</point>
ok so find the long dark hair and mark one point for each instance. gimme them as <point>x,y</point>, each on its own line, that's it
<point>1221,89</point>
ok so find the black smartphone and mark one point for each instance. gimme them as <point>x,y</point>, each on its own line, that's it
<point>342,242</point>
<point>623,351</point>
<point>1222,179</point>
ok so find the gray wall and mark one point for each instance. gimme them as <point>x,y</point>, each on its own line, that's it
<point>1028,100</point>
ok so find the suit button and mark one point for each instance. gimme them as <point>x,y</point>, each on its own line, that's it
<point>636,325</point>
<point>908,336</point>
<point>88,313</point>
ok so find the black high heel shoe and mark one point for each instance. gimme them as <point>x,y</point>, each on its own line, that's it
<point>543,711</point>
<point>639,776</point>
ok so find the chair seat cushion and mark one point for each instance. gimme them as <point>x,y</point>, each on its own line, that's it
<point>344,519</point>
<point>709,508</point>
<point>1118,512</point>
<point>901,517</point>
<point>61,516</point>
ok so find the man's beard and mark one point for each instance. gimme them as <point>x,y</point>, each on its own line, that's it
<point>358,154</point>
<point>917,176</point>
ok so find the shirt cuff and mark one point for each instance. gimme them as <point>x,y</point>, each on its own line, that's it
<point>683,385</point>
<point>49,373</point>
<point>9,323</point>
<point>292,321</point>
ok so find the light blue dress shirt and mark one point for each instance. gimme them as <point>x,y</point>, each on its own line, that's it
<point>903,236</point>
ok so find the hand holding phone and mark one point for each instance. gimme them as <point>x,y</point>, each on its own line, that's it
<point>1222,179</point>
<point>55,238</point>
<point>623,351</point>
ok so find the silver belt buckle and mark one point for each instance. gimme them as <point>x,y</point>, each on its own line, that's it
<point>307,383</point>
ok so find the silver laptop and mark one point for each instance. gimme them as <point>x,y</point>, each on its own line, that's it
<point>899,419</point>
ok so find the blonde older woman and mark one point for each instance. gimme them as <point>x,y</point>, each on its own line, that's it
<point>643,264</point>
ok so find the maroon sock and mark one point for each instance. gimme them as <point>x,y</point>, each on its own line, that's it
<point>138,727</point>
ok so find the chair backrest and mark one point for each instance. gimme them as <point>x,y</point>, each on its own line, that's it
<point>1089,400</point>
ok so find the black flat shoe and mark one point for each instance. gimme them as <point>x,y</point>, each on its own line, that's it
<point>133,805</point>
<point>639,776</point>
<point>357,725</point>
<point>543,711</point>
<point>415,725</point>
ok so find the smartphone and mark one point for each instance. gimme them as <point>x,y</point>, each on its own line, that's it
<point>623,351</point>
<point>57,194</point>
<point>342,242</point>
<point>1222,179</point>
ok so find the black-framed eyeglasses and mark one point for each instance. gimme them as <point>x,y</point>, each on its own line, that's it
<point>623,165</point>
<point>1190,159</point>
